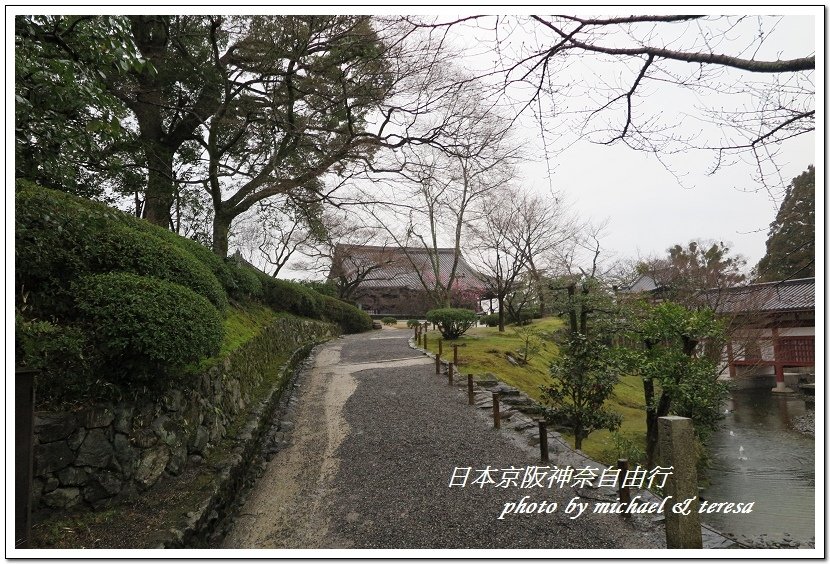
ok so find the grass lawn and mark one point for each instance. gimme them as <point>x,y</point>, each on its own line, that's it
<point>484,349</point>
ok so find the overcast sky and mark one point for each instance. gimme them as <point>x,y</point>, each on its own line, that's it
<point>648,209</point>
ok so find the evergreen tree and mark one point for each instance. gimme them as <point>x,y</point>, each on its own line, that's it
<point>791,247</point>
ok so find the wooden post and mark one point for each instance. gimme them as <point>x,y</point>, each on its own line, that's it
<point>455,353</point>
<point>470,394</point>
<point>24,403</point>
<point>676,439</point>
<point>624,491</point>
<point>496,412</point>
<point>425,341</point>
<point>543,440</point>
<point>438,364</point>
<point>450,369</point>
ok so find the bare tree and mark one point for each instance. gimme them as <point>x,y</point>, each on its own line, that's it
<point>349,254</point>
<point>500,256</point>
<point>543,225</point>
<point>278,231</point>
<point>664,84</point>
<point>450,185</point>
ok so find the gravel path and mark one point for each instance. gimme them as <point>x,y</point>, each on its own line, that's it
<point>377,437</point>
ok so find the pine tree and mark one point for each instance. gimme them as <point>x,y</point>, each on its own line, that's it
<point>791,242</point>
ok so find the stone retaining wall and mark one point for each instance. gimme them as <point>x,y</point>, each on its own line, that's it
<point>111,450</point>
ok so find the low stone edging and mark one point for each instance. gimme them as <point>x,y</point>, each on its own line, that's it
<point>112,451</point>
<point>238,468</point>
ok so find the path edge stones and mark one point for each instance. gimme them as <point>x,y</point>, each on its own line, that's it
<point>207,522</point>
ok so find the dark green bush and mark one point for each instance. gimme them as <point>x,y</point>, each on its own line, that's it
<point>350,318</point>
<point>523,318</point>
<point>62,354</point>
<point>452,322</point>
<point>491,320</point>
<point>247,283</point>
<point>389,321</point>
<point>412,323</point>
<point>325,288</point>
<point>122,249</point>
<point>60,238</point>
<point>282,295</point>
<point>146,327</point>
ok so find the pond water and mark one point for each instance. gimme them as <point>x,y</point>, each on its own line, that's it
<point>758,456</point>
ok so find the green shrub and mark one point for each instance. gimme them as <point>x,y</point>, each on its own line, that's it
<point>60,238</point>
<point>389,321</point>
<point>452,322</point>
<point>62,354</point>
<point>412,323</point>
<point>350,318</point>
<point>146,327</point>
<point>282,295</point>
<point>325,288</point>
<point>523,318</point>
<point>247,283</point>
<point>491,320</point>
<point>122,249</point>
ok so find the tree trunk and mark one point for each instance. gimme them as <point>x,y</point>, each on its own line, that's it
<point>160,194</point>
<point>652,415</point>
<point>651,421</point>
<point>501,313</point>
<point>221,228</point>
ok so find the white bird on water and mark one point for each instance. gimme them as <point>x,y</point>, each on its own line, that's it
<point>731,433</point>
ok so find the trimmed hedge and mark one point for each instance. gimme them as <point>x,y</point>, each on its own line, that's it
<point>282,295</point>
<point>62,354</point>
<point>146,326</point>
<point>60,238</point>
<point>452,322</point>
<point>491,320</point>
<point>350,318</point>
<point>126,300</point>
<point>247,283</point>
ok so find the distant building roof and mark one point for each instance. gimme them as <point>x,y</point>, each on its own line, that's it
<point>396,266</point>
<point>645,283</point>
<point>767,297</point>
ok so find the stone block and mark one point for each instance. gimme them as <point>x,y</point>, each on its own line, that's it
<point>51,457</point>
<point>62,498</point>
<point>151,465</point>
<point>51,427</point>
<point>123,418</point>
<point>124,452</point>
<point>98,416</point>
<point>73,476</point>
<point>144,438</point>
<point>76,439</point>
<point>172,400</point>
<point>200,441</point>
<point>96,450</point>
<point>50,484</point>
<point>178,460</point>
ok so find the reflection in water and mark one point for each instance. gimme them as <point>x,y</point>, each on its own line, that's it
<point>757,456</point>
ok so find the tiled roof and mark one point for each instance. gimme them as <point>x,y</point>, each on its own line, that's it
<point>397,266</point>
<point>787,295</point>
